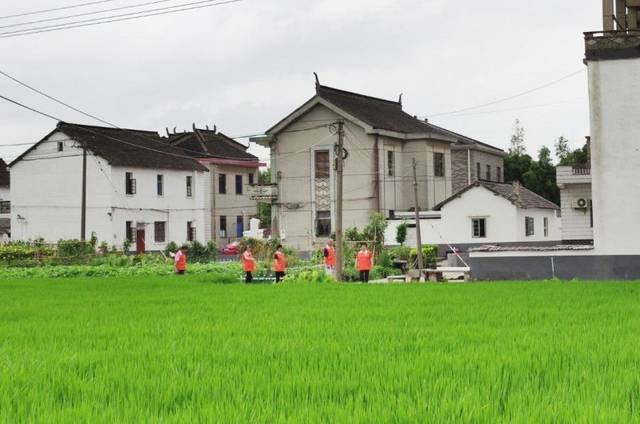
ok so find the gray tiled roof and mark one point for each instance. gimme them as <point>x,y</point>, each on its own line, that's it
<point>513,192</point>
<point>378,113</point>
<point>4,174</point>
<point>207,143</point>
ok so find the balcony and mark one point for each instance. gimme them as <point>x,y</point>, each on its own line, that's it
<point>573,175</point>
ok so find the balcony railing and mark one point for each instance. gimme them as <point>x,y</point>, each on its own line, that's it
<point>581,170</point>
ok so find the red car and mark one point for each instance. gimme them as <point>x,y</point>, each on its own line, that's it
<point>231,249</point>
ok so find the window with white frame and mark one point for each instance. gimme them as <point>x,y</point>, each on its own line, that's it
<point>438,164</point>
<point>528,226</point>
<point>479,227</point>
<point>159,231</point>
<point>130,184</point>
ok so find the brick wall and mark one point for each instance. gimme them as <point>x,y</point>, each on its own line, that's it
<point>460,172</point>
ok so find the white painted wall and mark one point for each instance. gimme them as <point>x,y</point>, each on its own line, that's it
<point>46,192</point>
<point>614,90</point>
<point>576,223</point>
<point>505,222</point>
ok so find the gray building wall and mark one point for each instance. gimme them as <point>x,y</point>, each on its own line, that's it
<point>460,171</point>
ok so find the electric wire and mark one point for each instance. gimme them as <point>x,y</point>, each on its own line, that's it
<point>115,18</point>
<point>38,12</point>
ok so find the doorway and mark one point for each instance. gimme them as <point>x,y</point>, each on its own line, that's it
<point>140,248</point>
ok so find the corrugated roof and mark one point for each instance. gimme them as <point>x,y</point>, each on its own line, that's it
<point>378,113</point>
<point>513,192</point>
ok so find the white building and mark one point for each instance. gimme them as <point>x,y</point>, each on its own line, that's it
<point>574,183</point>
<point>5,203</point>
<point>139,187</point>
<point>486,213</point>
<point>381,141</point>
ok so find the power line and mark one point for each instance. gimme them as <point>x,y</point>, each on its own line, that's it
<point>29,108</point>
<point>56,100</point>
<point>118,18</point>
<point>95,12</point>
<point>504,99</point>
<point>38,12</point>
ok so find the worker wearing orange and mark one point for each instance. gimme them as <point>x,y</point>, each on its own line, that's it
<point>248,265</point>
<point>364,263</point>
<point>279,263</point>
<point>180,258</point>
<point>329,253</point>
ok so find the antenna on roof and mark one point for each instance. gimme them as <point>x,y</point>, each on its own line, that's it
<point>400,99</point>
<point>317,79</point>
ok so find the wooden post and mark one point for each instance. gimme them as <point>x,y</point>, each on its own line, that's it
<point>339,201</point>
<point>83,207</point>
<point>417,210</point>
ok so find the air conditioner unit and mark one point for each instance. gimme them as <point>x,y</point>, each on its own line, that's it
<point>581,204</point>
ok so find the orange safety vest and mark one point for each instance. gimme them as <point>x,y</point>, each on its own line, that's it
<point>248,262</point>
<point>364,260</point>
<point>279,262</point>
<point>330,259</point>
<point>181,261</point>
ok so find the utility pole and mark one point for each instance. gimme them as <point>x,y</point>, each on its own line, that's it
<point>83,207</point>
<point>339,184</point>
<point>417,209</point>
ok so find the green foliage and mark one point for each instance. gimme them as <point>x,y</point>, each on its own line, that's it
<point>126,245</point>
<point>172,247</point>
<point>401,232</point>
<point>541,177</point>
<point>75,248</point>
<point>400,253</point>
<point>517,146</point>
<point>568,157</point>
<point>200,253</point>
<point>429,255</point>
<point>22,252</point>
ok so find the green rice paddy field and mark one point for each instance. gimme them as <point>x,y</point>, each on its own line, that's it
<point>189,350</point>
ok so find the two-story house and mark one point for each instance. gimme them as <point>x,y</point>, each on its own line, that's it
<point>381,141</point>
<point>5,202</point>
<point>232,170</point>
<point>139,187</point>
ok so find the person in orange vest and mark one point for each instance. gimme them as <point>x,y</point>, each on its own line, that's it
<point>329,253</point>
<point>279,263</point>
<point>180,258</point>
<point>364,263</point>
<point>249,265</point>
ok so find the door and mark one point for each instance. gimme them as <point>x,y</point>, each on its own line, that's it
<point>239,226</point>
<point>140,249</point>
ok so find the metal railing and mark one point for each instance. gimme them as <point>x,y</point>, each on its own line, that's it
<point>581,170</point>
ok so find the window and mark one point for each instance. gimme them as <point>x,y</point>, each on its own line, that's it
<point>499,174</point>
<point>160,185</point>
<point>322,163</point>
<point>129,231</point>
<point>323,223</point>
<point>223,226</point>
<point>60,146</point>
<point>189,186</point>
<point>130,184</point>
<point>478,176</point>
<point>528,226</point>
<point>238,184</point>
<point>438,164</point>
<point>5,206</point>
<point>191,231</point>
<point>251,179</point>
<point>159,231</point>
<point>391,165</point>
<point>239,226</point>
<point>488,172</point>
<point>222,183</point>
<point>546,226</point>
<point>479,227</point>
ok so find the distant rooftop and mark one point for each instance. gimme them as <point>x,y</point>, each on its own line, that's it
<point>612,45</point>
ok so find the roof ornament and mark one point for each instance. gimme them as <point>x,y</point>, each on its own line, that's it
<point>174,130</point>
<point>215,129</point>
<point>317,80</point>
<point>207,127</point>
<point>400,99</point>
<point>193,126</point>
<point>167,130</point>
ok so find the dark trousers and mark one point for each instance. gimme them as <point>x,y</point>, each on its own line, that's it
<point>364,276</point>
<point>248,277</point>
<point>279,276</point>
<point>180,271</point>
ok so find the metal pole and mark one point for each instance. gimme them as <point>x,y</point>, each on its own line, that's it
<point>417,210</point>
<point>339,169</point>
<point>83,207</point>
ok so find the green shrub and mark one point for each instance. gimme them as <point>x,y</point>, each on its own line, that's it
<point>429,255</point>
<point>75,248</point>
<point>401,232</point>
<point>172,247</point>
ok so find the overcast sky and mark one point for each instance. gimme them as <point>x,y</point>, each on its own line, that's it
<point>246,65</point>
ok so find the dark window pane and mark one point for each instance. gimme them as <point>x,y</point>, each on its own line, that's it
<point>238,184</point>
<point>322,163</point>
<point>222,183</point>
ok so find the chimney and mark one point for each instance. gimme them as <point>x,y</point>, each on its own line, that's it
<point>516,189</point>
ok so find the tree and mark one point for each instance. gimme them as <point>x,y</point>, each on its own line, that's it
<point>264,208</point>
<point>401,233</point>
<point>517,139</point>
<point>562,148</point>
<point>541,176</point>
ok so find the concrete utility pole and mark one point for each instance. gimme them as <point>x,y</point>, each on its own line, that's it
<point>417,208</point>
<point>339,169</point>
<point>83,207</point>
